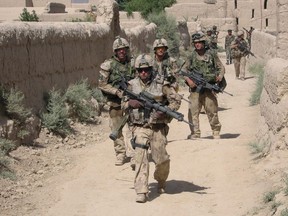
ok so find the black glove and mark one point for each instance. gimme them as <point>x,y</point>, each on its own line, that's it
<point>159,115</point>
<point>135,103</point>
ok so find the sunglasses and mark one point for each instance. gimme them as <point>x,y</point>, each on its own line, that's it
<point>141,70</point>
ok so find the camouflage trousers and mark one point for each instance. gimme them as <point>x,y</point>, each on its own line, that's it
<point>116,118</point>
<point>239,65</point>
<point>228,55</point>
<point>154,139</point>
<point>209,101</point>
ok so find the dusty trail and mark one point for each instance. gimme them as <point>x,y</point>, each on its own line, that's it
<point>208,177</point>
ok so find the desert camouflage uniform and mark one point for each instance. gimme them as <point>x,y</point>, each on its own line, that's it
<point>110,73</point>
<point>210,66</point>
<point>150,133</point>
<point>228,40</point>
<point>239,57</point>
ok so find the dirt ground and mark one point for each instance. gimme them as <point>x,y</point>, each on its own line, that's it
<point>77,176</point>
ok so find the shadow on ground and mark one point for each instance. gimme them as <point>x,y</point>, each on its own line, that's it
<point>176,187</point>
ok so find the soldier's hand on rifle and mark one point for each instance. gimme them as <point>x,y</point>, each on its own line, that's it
<point>190,82</point>
<point>159,115</point>
<point>135,103</point>
<point>218,78</point>
<point>119,93</point>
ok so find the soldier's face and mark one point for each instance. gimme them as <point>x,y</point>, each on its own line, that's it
<point>199,45</point>
<point>121,54</point>
<point>144,73</point>
<point>160,51</point>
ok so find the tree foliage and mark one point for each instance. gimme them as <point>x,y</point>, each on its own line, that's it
<point>145,7</point>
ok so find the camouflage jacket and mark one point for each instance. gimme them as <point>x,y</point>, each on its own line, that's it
<point>110,75</point>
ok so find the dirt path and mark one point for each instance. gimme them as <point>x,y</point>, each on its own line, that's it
<point>208,177</point>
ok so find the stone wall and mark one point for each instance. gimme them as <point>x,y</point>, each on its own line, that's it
<point>273,125</point>
<point>35,57</point>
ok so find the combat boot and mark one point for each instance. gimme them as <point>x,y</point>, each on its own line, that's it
<point>141,198</point>
<point>216,135</point>
<point>193,136</point>
<point>120,159</point>
<point>161,187</point>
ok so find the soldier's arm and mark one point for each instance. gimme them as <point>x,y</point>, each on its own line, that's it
<point>173,98</point>
<point>220,68</point>
<point>104,84</point>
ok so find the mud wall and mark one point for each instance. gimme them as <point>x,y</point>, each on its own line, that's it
<point>35,57</point>
<point>273,124</point>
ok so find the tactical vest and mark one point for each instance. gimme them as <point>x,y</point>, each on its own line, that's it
<point>164,73</point>
<point>143,116</point>
<point>119,70</point>
<point>207,66</point>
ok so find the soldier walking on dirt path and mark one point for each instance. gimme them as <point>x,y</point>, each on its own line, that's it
<point>206,62</point>
<point>149,127</point>
<point>112,70</point>
<point>239,48</point>
<point>229,38</point>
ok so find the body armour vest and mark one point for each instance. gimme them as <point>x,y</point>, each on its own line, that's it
<point>204,64</point>
<point>143,116</point>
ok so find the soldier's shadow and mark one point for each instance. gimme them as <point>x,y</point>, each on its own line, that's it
<point>176,187</point>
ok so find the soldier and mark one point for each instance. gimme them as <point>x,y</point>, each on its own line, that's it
<point>215,33</point>
<point>165,66</point>
<point>208,63</point>
<point>149,128</point>
<point>211,40</point>
<point>228,40</point>
<point>120,65</point>
<point>239,48</point>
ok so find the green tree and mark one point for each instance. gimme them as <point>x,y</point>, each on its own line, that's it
<point>145,7</point>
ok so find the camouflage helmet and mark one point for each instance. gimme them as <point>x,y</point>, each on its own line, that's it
<point>143,61</point>
<point>198,37</point>
<point>120,43</point>
<point>240,33</point>
<point>160,43</point>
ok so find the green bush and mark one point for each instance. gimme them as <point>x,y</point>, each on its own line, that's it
<point>258,70</point>
<point>56,117</point>
<point>257,148</point>
<point>78,96</point>
<point>29,17</point>
<point>13,107</point>
<point>269,196</point>
<point>284,212</point>
<point>6,146</point>
<point>145,7</point>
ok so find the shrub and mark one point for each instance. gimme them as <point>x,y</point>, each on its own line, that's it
<point>257,148</point>
<point>13,101</point>
<point>6,146</point>
<point>145,7</point>
<point>78,97</point>
<point>284,212</point>
<point>56,118</point>
<point>258,70</point>
<point>269,196</point>
<point>29,17</point>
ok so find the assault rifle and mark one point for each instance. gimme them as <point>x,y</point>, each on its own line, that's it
<point>244,48</point>
<point>202,83</point>
<point>149,103</point>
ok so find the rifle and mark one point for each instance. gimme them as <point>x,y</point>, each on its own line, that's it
<point>244,48</point>
<point>149,103</point>
<point>202,83</point>
<point>115,133</point>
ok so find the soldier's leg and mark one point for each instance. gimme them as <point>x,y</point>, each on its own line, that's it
<point>116,116</point>
<point>211,105</point>
<point>193,115</point>
<point>141,144</point>
<point>160,156</point>
<point>242,67</point>
<point>237,66</point>
<point>227,56</point>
